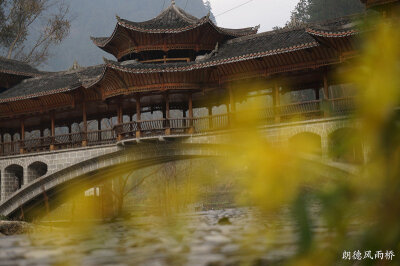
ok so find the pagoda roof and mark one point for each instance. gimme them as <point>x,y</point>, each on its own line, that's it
<point>14,67</point>
<point>251,47</point>
<point>245,48</point>
<point>51,83</point>
<point>260,45</point>
<point>171,20</point>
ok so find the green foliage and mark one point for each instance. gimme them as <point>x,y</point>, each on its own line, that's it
<point>319,10</point>
<point>3,218</point>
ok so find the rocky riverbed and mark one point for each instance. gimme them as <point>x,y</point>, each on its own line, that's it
<point>217,237</point>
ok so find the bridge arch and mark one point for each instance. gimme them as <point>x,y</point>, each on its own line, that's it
<point>307,142</point>
<point>36,170</point>
<point>345,145</point>
<point>88,173</point>
<point>13,179</point>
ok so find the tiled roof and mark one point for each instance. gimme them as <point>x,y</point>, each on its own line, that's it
<point>245,48</point>
<point>14,67</point>
<point>51,83</point>
<point>171,20</point>
<point>235,50</point>
<point>336,28</point>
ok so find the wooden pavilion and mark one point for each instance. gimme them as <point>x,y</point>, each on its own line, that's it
<point>168,67</point>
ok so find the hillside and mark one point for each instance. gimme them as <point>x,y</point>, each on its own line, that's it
<point>97,18</point>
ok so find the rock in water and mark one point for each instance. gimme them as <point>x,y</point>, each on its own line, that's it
<point>14,227</point>
<point>224,221</point>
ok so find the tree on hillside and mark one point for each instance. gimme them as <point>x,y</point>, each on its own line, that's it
<point>207,5</point>
<point>29,28</point>
<point>319,10</point>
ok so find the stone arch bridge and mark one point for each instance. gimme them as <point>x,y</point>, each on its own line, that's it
<point>25,178</point>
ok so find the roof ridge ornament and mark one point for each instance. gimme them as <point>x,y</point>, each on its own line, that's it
<point>173,2</point>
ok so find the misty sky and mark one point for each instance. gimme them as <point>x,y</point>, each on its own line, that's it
<point>97,18</point>
<point>268,13</point>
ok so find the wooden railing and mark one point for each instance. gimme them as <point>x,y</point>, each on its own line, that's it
<point>10,148</point>
<point>342,106</point>
<point>177,126</point>
<point>101,137</point>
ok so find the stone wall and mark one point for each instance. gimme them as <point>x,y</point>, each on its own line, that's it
<point>55,162</point>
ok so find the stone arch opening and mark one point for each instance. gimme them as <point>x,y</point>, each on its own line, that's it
<point>13,179</point>
<point>36,170</point>
<point>306,142</point>
<point>345,145</point>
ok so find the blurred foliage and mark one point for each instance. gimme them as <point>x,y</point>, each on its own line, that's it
<point>358,211</point>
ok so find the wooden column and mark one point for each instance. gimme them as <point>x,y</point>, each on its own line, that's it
<point>190,107</point>
<point>85,125</point>
<point>120,114</point>
<point>99,129</point>
<point>120,120</point>
<point>167,115</point>
<point>317,96</point>
<point>210,118</point>
<point>138,116</point>
<point>232,100</point>
<point>277,102</point>
<point>326,86</point>
<point>41,135</point>
<point>22,143</point>
<point>326,106</point>
<point>70,139</point>
<point>52,131</point>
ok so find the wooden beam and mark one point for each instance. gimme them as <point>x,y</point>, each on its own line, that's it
<point>138,108</point>
<point>232,100</point>
<point>326,86</point>
<point>120,114</point>
<point>52,130</point>
<point>138,116</point>
<point>317,96</point>
<point>276,95</point>
<point>167,106</point>
<point>277,102</point>
<point>210,120</point>
<point>85,125</point>
<point>167,114</point>
<point>21,149</point>
<point>190,107</point>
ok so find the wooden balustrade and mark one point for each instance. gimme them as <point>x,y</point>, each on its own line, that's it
<point>176,126</point>
<point>342,106</point>
<point>303,110</point>
<point>101,137</point>
<point>37,144</point>
<point>10,148</point>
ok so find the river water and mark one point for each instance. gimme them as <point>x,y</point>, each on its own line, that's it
<point>215,237</point>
